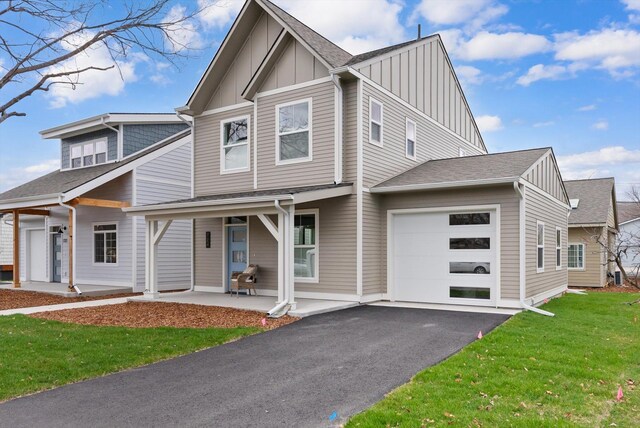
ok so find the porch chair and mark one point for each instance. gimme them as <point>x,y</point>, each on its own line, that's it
<point>245,280</point>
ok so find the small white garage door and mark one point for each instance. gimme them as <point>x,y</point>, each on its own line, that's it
<point>36,249</point>
<point>444,257</point>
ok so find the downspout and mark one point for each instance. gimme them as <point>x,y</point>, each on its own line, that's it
<point>193,221</point>
<point>523,259</point>
<point>120,148</point>
<point>73,241</point>
<point>338,137</point>
<point>281,308</point>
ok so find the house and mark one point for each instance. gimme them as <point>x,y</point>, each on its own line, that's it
<point>593,225</point>
<point>70,224</point>
<point>629,235</point>
<point>357,178</point>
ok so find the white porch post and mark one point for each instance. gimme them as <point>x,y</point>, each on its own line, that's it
<point>151,256</point>
<point>290,272</point>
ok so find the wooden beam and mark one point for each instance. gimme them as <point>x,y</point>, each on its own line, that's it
<point>103,203</point>
<point>16,249</point>
<point>71,232</point>
<point>31,211</point>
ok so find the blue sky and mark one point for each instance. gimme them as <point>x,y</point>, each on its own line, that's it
<point>560,73</point>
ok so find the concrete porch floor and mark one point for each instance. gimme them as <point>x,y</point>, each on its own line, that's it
<point>60,289</point>
<point>304,307</point>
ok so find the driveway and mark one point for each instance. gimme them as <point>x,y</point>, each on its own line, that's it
<point>297,375</point>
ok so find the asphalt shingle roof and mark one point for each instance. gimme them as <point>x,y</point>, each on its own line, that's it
<point>64,181</point>
<point>595,200</point>
<point>628,211</point>
<point>468,168</point>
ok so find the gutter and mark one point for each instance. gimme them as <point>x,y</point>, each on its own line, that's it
<point>205,204</point>
<point>444,185</point>
<point>282,308</point>
<point>338,137</point>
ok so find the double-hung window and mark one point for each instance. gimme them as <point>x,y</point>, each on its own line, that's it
<point>376,115</point>
<point>540,247</point>
<point>575,256</point>
<point>410,139</point>
<point>293,132</point>
<point>558,248</point>
<point>234,145</point>
<point>105,243</point>
<point>305,243</point>
<point>89,153</point>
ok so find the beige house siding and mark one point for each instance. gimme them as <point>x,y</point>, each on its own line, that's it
<point>350,128</point>
<point>552,214</point>
<point>505,196</point>
<point>433,142</point>
<point>373,217</point>
<point>208,261</point>
<point>594,272</point>
<point>422,75</point>
<point>545,175</point>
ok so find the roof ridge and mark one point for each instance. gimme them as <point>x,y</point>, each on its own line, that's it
<point>590,179</point>
<point>484,155</point>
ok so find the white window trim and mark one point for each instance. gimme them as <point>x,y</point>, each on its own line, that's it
<point>310,131</point>
<point>316,278</point>
<point>558,248</point>
<point>538,246</point>
<point>93,242</point>
<point>223,169</point>
<point>406,139</point>
<point>84,143</point>
<point>584,259</point>
<point>381,123</point>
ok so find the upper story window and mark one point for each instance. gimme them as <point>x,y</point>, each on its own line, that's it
<point>410,139</point>
<point>376,114</point>
<point>89,153</point>
<point>234,144</point>
<point>293,129</point>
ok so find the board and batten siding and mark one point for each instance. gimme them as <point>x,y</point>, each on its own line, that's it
<point>432,142</point>
<point>546,176</point>
<point>552,214</point>
<point>594,272</point>
<point>422,75</point>
<point>505,196</point>
<point>166,178</point>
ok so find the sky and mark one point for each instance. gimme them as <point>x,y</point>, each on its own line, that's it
<point>536,73</point>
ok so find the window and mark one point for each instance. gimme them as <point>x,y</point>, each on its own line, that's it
<point>576,256</point>
<point>469,219</point>
<point>376,114</point>
<point>540,247</point>
<point>87,154</point>
<point>105,243</point>
<point>469,243</point>
<point>462,152</point>
<point>558,248</point>
<point>293,132</point>
<point>234,140</point>
<point>305,240</point>
<point>470,293</point>
<point>482,268</point>
<point>410,143</point>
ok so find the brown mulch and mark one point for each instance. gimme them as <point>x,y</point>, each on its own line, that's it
<point>627,288</point>
<point>14,299</point>
<point>164,314</point>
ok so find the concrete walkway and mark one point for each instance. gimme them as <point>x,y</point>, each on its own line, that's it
<point>61,306</point>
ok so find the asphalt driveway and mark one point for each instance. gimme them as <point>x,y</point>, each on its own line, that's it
<point>297,375</point>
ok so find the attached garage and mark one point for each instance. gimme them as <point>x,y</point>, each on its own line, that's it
<point>445,256</point>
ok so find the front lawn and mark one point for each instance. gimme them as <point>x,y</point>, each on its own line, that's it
<point>532,371</point>
<point>36,354</point>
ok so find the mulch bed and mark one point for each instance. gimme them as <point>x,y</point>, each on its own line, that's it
<point>14,299</point>
<point>165,314</point>
<point>627,288</point>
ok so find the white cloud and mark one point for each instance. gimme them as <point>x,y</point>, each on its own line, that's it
<point>543,124</point>
<point>488,123</point>
<point>184,34</point>
<point>16,176</point>
<point>358,27</point>
<point>218,13</point>
<point>632,5</point>
<point>472,13</point>
<point>589,107</point>
<point>601,125</point>
<point>551,72</point>
<point>469,75</point>
<point>487,46</point>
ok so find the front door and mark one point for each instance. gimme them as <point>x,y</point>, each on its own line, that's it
<point>236,250</point>
<point>56,257</point>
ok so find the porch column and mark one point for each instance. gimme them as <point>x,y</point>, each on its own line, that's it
<point>290,254</point>
<point>16,249</point>
<point>151,256</point>
<point>281,266</point>
<point>71,230</point>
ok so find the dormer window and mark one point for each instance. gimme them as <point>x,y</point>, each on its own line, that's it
<point>574,203</point>
<point>89,153</point>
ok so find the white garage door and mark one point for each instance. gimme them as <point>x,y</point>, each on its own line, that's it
<point>37,271</point>
<point>444,257</point>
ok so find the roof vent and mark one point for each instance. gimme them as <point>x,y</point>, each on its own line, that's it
<point>574,203</point>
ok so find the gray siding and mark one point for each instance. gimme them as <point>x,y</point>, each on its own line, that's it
<point>112,144</point>
<point>422,75</point>
<point>6,243</point>
<point>552,214</point>
<point>138,137</point>
<point>208,261</point>
<point>505,196</point>
<point>546,176</point>
<point>433,142</point>
<point>594,272</point>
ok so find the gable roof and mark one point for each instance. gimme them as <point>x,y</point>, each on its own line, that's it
<point>481,169</point>
<point>60,182</point>
<point>628,211</point>
<point>356,59</point>
<point>595,200</point>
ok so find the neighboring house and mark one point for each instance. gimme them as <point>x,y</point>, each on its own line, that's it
<point>358,178</point>
<point>629,235</point>
<point>6,248</point>
<point>593,225</point>
<point>107,162</point>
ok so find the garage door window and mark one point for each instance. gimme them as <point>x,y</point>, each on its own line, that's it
<point>469,243</point>
<point>470,293</point>
<point>481,268</point>
<point>469,219</point>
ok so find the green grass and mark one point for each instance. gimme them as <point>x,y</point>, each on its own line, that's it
<point>36,354</point>
<point>532,371</point>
